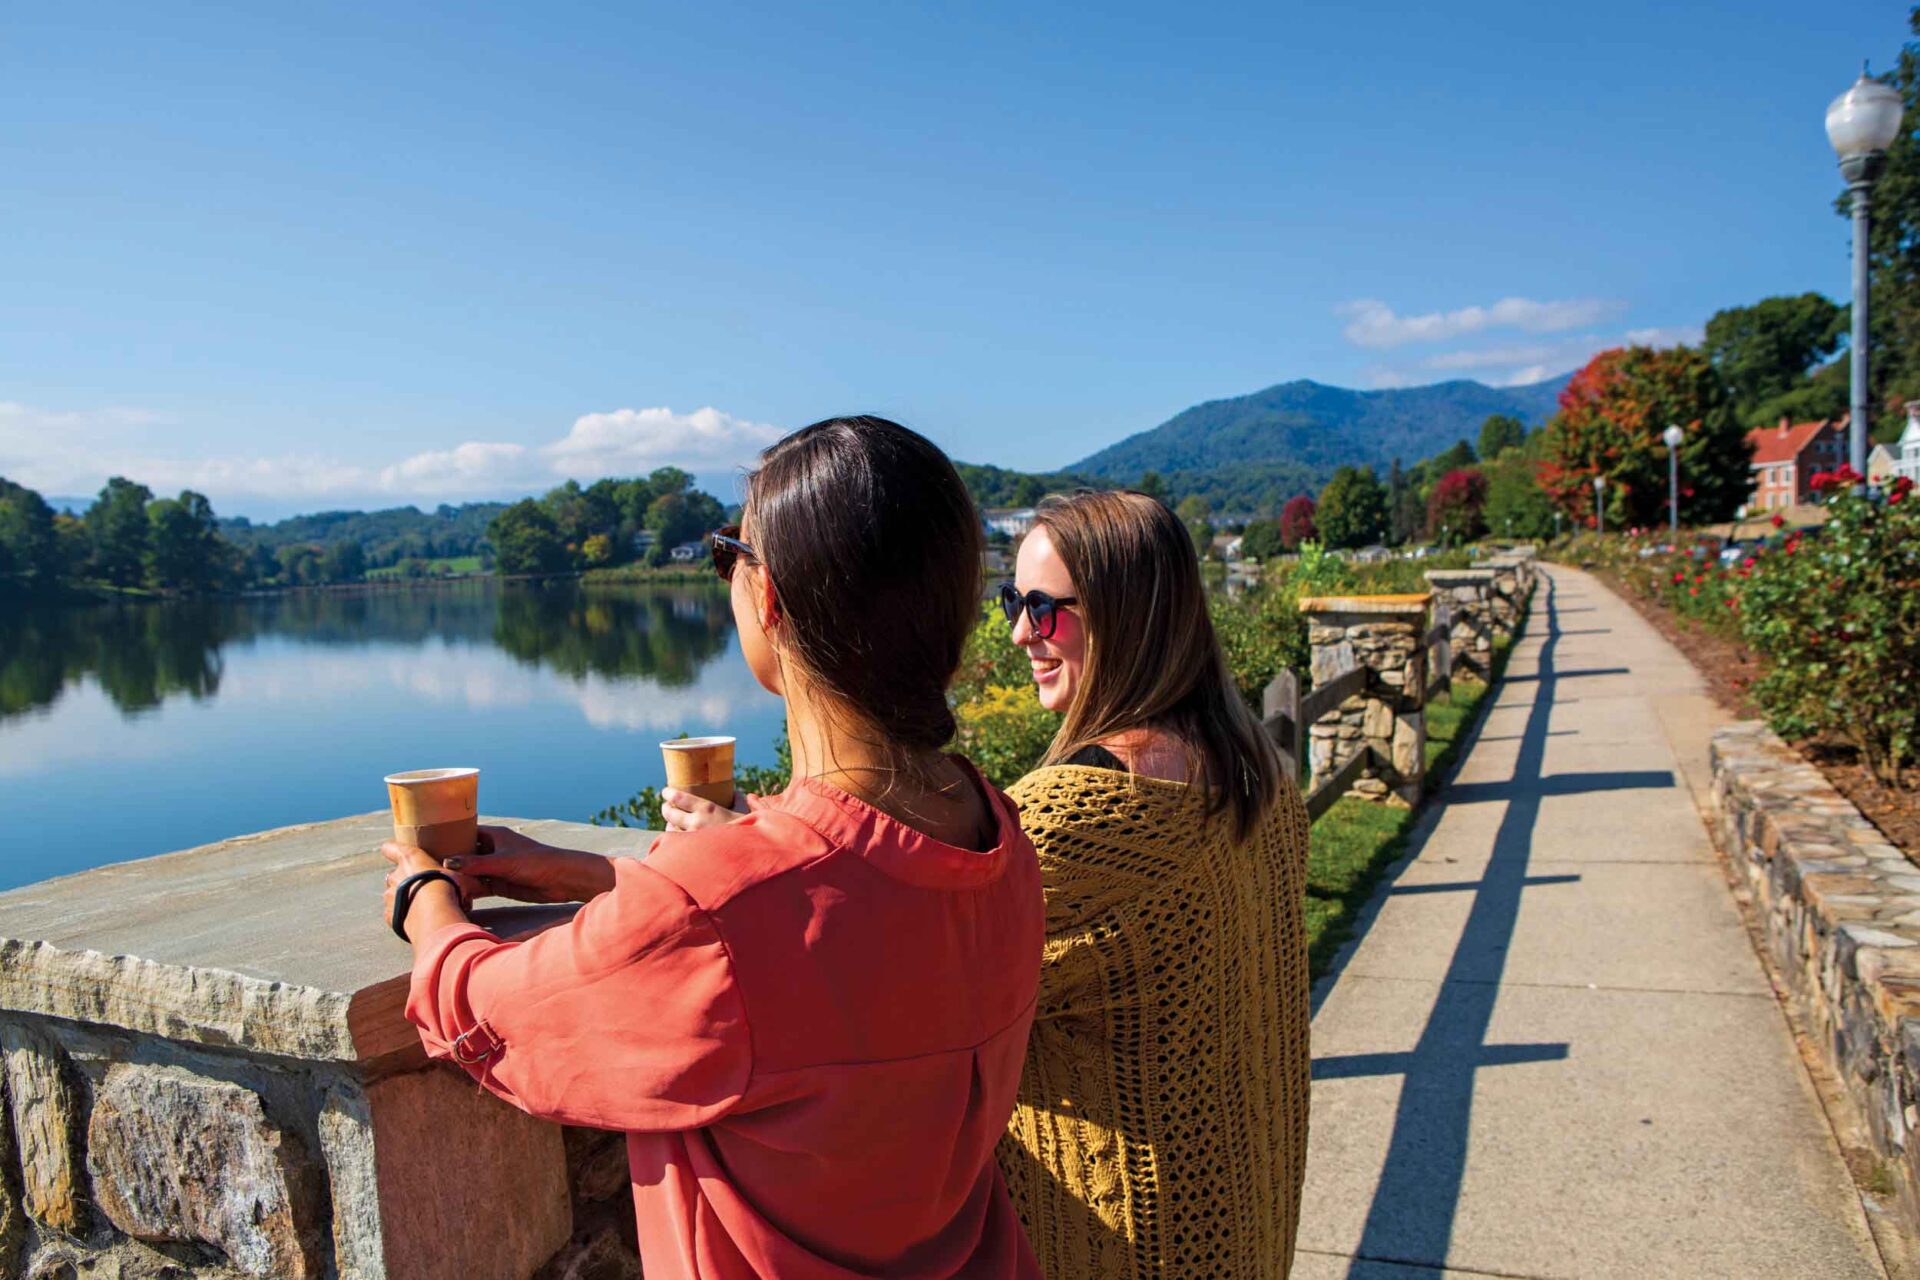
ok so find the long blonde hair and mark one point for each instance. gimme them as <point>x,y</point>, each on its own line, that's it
<point>1152,659</point>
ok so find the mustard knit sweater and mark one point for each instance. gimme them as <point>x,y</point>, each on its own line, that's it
<point>1162,1124</point>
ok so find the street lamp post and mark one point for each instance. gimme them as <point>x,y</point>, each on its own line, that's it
<point>1599,504</point>
<point>1861,124</point>
<point>1673,435</point>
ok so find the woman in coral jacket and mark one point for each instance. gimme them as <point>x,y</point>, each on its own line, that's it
<point>811,1021</point>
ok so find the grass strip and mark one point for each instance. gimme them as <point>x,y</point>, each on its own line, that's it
<point>1355,841</point>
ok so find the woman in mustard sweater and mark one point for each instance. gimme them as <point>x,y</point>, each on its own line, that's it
<point>1162,1123</point>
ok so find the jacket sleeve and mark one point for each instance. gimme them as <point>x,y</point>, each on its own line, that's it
<point>627,1017</point>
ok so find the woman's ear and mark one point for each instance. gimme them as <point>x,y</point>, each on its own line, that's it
<point>769,602</point>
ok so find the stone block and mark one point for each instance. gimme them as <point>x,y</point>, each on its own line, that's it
<point>1329,661</point>
<point>13,1215</point>
<point>597,1163</point>
<point>46,1123</point>
<point>442,1155</point>
<point>1409,746</point>
<point>180,1157</point>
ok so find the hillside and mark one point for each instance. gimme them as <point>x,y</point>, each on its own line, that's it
<point>1296,433</point>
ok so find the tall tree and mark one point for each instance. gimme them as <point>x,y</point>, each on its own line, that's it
<point>1453,459</point>
<point>1298,522</point>
<point>525,540</point>
<point>1456,510</point>
<point>1517,507</point>
<point>184,549</point>
<point>1611,417</point>
<point>29,550</point>
<point>1770,348</point>
<point>1499,433</point>
<point>1261,540</point>
<point>1152,485</point>
<point>1352,511</point>
<point>1406,513</point>
<point>118,529</point>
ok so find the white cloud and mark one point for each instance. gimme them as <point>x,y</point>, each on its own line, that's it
<point>627,441</point>
<point>1372,323</point>
<point>1514,366</point>
<point>72,452</point>
<point>473,467</point>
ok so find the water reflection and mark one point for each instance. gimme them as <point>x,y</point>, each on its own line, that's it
<point>298,705</point>
<point>142,654</point>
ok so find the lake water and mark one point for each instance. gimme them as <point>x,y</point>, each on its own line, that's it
<point>131,730</point>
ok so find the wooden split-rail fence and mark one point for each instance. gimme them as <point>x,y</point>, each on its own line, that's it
<point>1290,714</point>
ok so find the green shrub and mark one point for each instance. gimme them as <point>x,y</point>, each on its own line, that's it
<point>1835,616</point>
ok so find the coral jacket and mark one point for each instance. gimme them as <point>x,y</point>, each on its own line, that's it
<point>809,1022</point>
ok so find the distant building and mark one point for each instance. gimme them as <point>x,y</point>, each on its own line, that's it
<point>687,552</point>
<point>1228,546</point>
<point>1012,521</point>
<point>1787,456</point>
<point>1908,463</point>
<point>1881,467</point>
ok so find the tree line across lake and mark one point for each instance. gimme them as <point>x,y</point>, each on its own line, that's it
<point>128,540</point>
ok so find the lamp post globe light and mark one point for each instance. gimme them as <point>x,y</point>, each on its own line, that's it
<point>1599,504</point>
<point>1673,435</point>
<point>1861,124</point>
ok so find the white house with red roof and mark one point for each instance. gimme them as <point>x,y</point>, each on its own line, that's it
<point>1787,456</point>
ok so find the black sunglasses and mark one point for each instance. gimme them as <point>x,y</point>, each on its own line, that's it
<point>1042,609</point>
<point>727,550</point>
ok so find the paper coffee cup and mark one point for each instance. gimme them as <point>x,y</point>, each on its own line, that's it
<point>436,809</point>
<point>701,766</point>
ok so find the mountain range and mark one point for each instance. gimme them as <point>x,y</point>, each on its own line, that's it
<point>1298,432</point>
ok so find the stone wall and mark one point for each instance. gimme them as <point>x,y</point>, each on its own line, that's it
<point>204,1071</point>
<point>1839,909</point>
<point>1385,635</point>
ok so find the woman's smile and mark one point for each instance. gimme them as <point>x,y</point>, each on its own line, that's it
<point>1045,669</point>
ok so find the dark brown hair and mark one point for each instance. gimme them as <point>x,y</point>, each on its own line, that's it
<point>874,546</point>
<point>1152,659</point>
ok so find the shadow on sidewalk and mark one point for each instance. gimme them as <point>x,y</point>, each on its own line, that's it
<point>1414,1204</point>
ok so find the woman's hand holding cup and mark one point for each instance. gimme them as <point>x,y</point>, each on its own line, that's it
<point>508,864</point>
<point>684,811</point>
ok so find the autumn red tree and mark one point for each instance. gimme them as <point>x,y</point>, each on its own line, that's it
<point>1612,414</point>
<point>1296,522</point>
<point>1457,507</point>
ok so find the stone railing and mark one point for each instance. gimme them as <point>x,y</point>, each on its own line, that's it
<point>1839,909</point>
<point>207,1072</point>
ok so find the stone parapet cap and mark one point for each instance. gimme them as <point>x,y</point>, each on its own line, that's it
<point>1459,577</point>
<point>271,943</point>
<point>1413,602</point>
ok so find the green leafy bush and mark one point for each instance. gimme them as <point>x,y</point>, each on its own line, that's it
<point>1836,618</point>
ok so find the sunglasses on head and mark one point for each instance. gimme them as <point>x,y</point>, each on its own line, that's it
<point>727,550</point>
<point>1042,610</point>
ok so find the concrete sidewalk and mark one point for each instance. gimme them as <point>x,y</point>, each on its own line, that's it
<point>1553,1051</point>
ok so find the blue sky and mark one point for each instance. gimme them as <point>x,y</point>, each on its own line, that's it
<point>316,256</point>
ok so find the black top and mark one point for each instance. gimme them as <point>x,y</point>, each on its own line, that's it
<point>1096,757</point>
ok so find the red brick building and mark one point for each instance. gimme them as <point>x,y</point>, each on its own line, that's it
<point>1786,457</point>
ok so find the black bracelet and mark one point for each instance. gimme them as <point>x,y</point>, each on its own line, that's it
<point>403,897</point>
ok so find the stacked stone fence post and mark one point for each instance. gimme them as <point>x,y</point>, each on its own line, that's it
<point>1470,591</point>
<point>1384,721</point>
